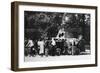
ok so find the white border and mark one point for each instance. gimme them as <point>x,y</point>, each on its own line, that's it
<point>79,61</point>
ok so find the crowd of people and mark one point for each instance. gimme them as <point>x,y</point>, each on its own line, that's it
<point>54,47</point>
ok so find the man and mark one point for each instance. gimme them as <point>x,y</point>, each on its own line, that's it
<point>47,43</point>
<point>81,43</point>
<point>30,44</point>
<point>41,47</point>
<point>53,43</point>
<point>61,34</point>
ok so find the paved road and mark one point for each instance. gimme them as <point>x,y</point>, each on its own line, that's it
<point>84,55</point>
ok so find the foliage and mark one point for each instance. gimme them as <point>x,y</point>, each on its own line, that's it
<point>47,24</point>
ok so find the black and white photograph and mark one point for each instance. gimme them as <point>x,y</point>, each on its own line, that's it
<point>52,36</point>
<point>55,35</point>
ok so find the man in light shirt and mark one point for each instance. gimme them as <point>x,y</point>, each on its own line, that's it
<point>41,47</point>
